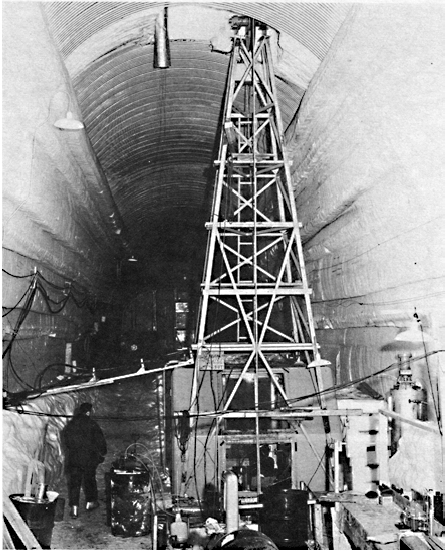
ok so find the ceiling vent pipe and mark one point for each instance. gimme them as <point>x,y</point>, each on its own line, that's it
<point>162,48</point>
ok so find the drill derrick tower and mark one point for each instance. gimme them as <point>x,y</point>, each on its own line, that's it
<point>255,315</point>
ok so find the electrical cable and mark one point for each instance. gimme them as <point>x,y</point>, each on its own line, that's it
<point>22,316</point>
<point>15,305</point>
<point>59,288</point>
<point>148,456</point>
<point>300,398</point>
<point>196,439</point>
<point>337,387</point>
<point>353,302</point>
<point>20,319</point>
<point>317,468</point>
<point>17,276</point>
<point>29,295</point>
<point>214,397</point>
<point>15,374</point>
<point>41,276</point>
<point>38,380</point>
<point>415,228</point>
<point>69,292</point>
<point>436,408</point>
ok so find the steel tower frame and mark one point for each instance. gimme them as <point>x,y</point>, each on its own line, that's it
<point>255,302</point>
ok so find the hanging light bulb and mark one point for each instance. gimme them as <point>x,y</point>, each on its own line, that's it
<point>162,46</point>
<point>69,123</point>
<point>318,362</point>
<point>414,333</point>
<point>299,362</point>
<point>249,377</point>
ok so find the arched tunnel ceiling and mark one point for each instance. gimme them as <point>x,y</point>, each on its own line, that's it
<point>154,131</point>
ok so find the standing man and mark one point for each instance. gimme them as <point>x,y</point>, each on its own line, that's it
<point>86,448</point>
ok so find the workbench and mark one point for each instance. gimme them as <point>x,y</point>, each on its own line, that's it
<point>368,524</point>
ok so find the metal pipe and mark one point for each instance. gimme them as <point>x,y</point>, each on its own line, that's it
<point>162,47</point>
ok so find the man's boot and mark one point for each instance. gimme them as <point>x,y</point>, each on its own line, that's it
<point>91,505</point>
<point>74,511</point>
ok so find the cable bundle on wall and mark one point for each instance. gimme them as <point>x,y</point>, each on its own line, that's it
<point>38,286</point>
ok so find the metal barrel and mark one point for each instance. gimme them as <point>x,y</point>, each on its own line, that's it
<point>285,517</point>
<point>131,504</point>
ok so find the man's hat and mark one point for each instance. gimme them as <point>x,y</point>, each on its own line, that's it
<point>85,407</point>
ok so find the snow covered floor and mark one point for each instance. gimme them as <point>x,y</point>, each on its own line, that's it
<point>89,531</point>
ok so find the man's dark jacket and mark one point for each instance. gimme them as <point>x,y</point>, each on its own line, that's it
<point>85,442</point>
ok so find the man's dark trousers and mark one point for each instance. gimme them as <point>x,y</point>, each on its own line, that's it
<point>85,477</point>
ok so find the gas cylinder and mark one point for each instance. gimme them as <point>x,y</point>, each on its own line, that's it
<point>408,398</point>
<point>179,529</point>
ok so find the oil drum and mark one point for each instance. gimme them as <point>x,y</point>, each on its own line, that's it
<point>284,517</point>
<point>131,504</point>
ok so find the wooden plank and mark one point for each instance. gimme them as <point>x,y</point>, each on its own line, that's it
<point>319,527</point>
<point>369,525</point>
<point>7,539</point>
<point>266,347</point>
<point>413,542</point>
<point>19,525</point>
<point>414,422</point>
<point>266,438</point>
<point>340,542</point>
<point>337,451</point>
<point>258,225</point>
<point>435,542</point>
<point>292,414</point>
<point>264,291</point>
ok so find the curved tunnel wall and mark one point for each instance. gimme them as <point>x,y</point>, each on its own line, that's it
<point>366,145</point>
<point>368,168</point>
<point>56,207</point>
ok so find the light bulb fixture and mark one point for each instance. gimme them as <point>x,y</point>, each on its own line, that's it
<point>249,377</point>
<point>318,362</point>
<point>69,123</point>
<point>299,362</point>
<point>414,333</point>
<point>132,259</point>
<point>162,46</point>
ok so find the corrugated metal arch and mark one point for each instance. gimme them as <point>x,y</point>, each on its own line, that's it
<point>154,131</point>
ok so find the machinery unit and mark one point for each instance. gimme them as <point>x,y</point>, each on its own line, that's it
<point>408,399</point>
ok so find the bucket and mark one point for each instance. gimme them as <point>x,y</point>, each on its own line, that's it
<point>130,503</point>
<point>285,518</point>
<point>38,515</point>
<point>60,505</point>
